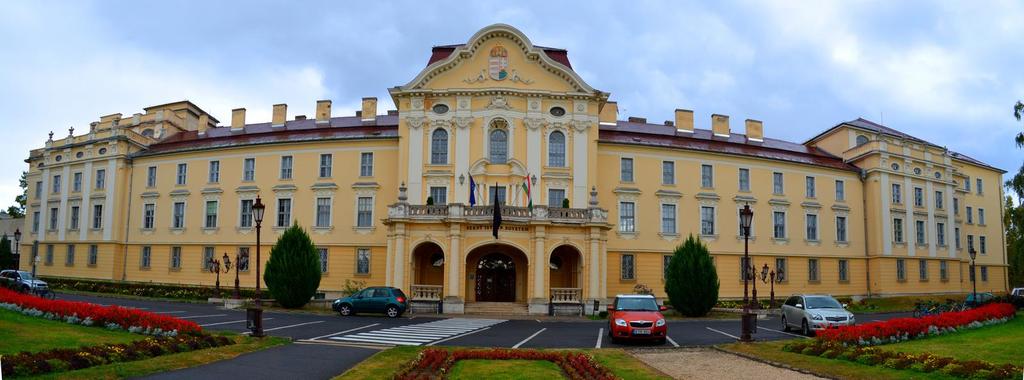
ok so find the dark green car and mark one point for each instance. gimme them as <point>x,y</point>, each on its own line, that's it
<point>382,299</point>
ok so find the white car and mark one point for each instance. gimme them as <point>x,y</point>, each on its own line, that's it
<point>812,312</point>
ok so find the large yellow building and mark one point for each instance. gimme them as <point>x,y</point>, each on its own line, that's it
<point>860,209</point>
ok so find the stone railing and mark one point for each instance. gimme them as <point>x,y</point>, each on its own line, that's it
<point>426,292</point>
<point>506,211</point>
<point>566,295</point>
<point>428,210</point>
<point>483,213</point>
<point>568,213</point>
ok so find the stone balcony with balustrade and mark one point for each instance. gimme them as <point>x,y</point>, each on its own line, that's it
<point>403,211</point>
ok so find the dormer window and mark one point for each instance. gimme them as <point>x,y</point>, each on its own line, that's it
<point>861,140</point>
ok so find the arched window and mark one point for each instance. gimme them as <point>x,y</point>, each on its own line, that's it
<point>556,149</point>
<point>861,140</point>
<point>499,146</point>
<point>439,147</point>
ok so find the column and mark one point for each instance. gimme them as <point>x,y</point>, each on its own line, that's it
<point>595,265</point>
<point>399,262</point>
<point>389,263</point>
<point>43,207</point>
<point>83,208</point>
<point>539,264</point>
<point>886,222</point>
<point>932,240</point>
<point>65,188</point>
<point>108,205</point>
<point>580,164</point>
<point>462,158</point>
<point>454,261</point>
<point>910,224</point>
<point>415,179</point>
<point>950,220</point>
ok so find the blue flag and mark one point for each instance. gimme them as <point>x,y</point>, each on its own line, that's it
<point>472,191</point>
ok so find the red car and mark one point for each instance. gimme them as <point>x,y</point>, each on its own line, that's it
<point>636,317</point>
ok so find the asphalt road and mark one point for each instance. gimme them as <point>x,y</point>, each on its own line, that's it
<point>327,345</point>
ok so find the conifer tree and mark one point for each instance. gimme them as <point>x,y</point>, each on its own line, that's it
<point>691,281</point>
<point>293,271</point>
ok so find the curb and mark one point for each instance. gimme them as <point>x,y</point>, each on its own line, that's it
<point>775,364</point>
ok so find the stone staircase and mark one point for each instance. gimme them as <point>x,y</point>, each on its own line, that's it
<point>496,308</point>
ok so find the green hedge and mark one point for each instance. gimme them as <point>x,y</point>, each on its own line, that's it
<point>142,289</point>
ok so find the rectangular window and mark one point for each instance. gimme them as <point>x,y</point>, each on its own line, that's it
<point>779,224</point>
<point>145,256</point>
<point>101,179</point>
<point>707,220</point>
<point>178,217</point>
<point>897,230</point>
<point>363,261</point>
<point>39,189</point>
<point>984,269</point>
<point>365,212</point>
<point>326,163</point>
<point>35,221</point>
<point>901,270</point>
<point>208,253</point>
<point>918,197</point>
<point>69,257</point>
<point>175,258</point>
<point>151,176</point>
<point>286,167</point>
<point>323,212</point>
<point>49,254</point>
<point>323,259</point>
<point>627,217</point>
<point>94,253</point>
<point>626,169</point>
<point>366,164</point>
<point>840,190</point>
<point>214,171</point>
<point>922,269</point>
<point>556,197</point>
<point>979,186</point>
<point>970,215</point>
<point>744,179</point>
<point>897,196</point>
<point>284,212</point>
<point>497,194</point>
<point>53,218</point>
<point>810,192</point>
<point>970,242</point>
<point>812,270</point>
<point>841,228</point>
<point>665,261</point>
<point>439,194</point>
<point>243,259</point>
<point>940,234</point>
<point>211,214</point>
<point>249,169</point>
<point>56,184</point>
<point>981,244</point>
<point>245,214</point>
<point>844,270</point>
<point>74,217</point>
<point>967,184</point>
<point>777,184</point>
<point>97,217</point>
<point>956,236</point>
<point>148,215</point>
<point>76,182</point>
<point>707,176</point>
<point>919,231</point>
<point>981,216</point>
<point>812,227</point>
<point>956,206</point>
<point>668,219</point>
<point>182,173</point>
<point>938,200</point>
<point>780,269</point>
<point>668,172</point>
<point>626,270</point>
<point>943,270</point>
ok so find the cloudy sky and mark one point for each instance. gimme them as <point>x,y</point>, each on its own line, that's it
<point>947,72</point>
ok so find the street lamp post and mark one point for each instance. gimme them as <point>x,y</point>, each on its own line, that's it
<point>17,247</point>
<point>214,266</point>
<point>774,277</point>
<point>747,322</point>
<point>255,315</point>
<point>974,277</point>
<point>227,268</point>
<point>35,256</point>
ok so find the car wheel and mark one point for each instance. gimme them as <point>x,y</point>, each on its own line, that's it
<point>392,311</point>
<point>805,328</point>
<point>785,324</point>
<point>345,310</point>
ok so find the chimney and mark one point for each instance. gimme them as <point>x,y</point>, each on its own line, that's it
<point>280,115</point>
<point>323,111</point>
<point>720,125</point>
<point>204,122</point>
<point>369,110</point>
<point>136,118</point>
<point>237,119</point>
<point>684,120</point>
<point>609,113</point>
<point>638,120</point>
<point>755,130</point>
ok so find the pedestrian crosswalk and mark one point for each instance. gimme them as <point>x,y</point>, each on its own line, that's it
<point>421,333</point>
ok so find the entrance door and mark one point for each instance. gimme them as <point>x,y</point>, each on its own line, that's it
<point>496,279</point>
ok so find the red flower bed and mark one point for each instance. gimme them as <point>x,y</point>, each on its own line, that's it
<point>102,316</point>
<point>899,329</point>
<point>435,363</point>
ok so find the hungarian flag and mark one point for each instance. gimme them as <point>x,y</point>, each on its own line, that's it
<point>526,189</point>
<point>496,222</point>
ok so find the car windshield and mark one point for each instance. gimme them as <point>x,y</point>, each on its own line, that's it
<point>26,276</point>
<point>822,303</point>
<point>636,304</point>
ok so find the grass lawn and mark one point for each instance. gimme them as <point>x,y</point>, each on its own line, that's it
<point>385,364</point>
<point>505,370</point>
<point>20,332</point>
<point>897,304</point>
<point>996,344</point>
<point>842,369</point>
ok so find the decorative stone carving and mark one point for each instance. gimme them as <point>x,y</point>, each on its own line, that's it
<point>463,122</point>
<point>417,103</point>
<point>415,122</point>
<point>581,125</point>
<point>499,102</point>
<point>534,105</point>
<point>479,78</point>
<point>533,123</point>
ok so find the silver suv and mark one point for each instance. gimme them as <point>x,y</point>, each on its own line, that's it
<point>23,281</point>
<point>811,312</point>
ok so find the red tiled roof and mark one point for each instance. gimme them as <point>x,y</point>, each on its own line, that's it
<point>666,136</point>
<point>441,52</point>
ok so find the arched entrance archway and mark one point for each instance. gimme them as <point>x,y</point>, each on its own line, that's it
<point>428,264</point>
<point>564,266</point>
<point>496,273</point>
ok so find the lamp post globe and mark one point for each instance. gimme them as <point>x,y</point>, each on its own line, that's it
<point>747,321</point>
